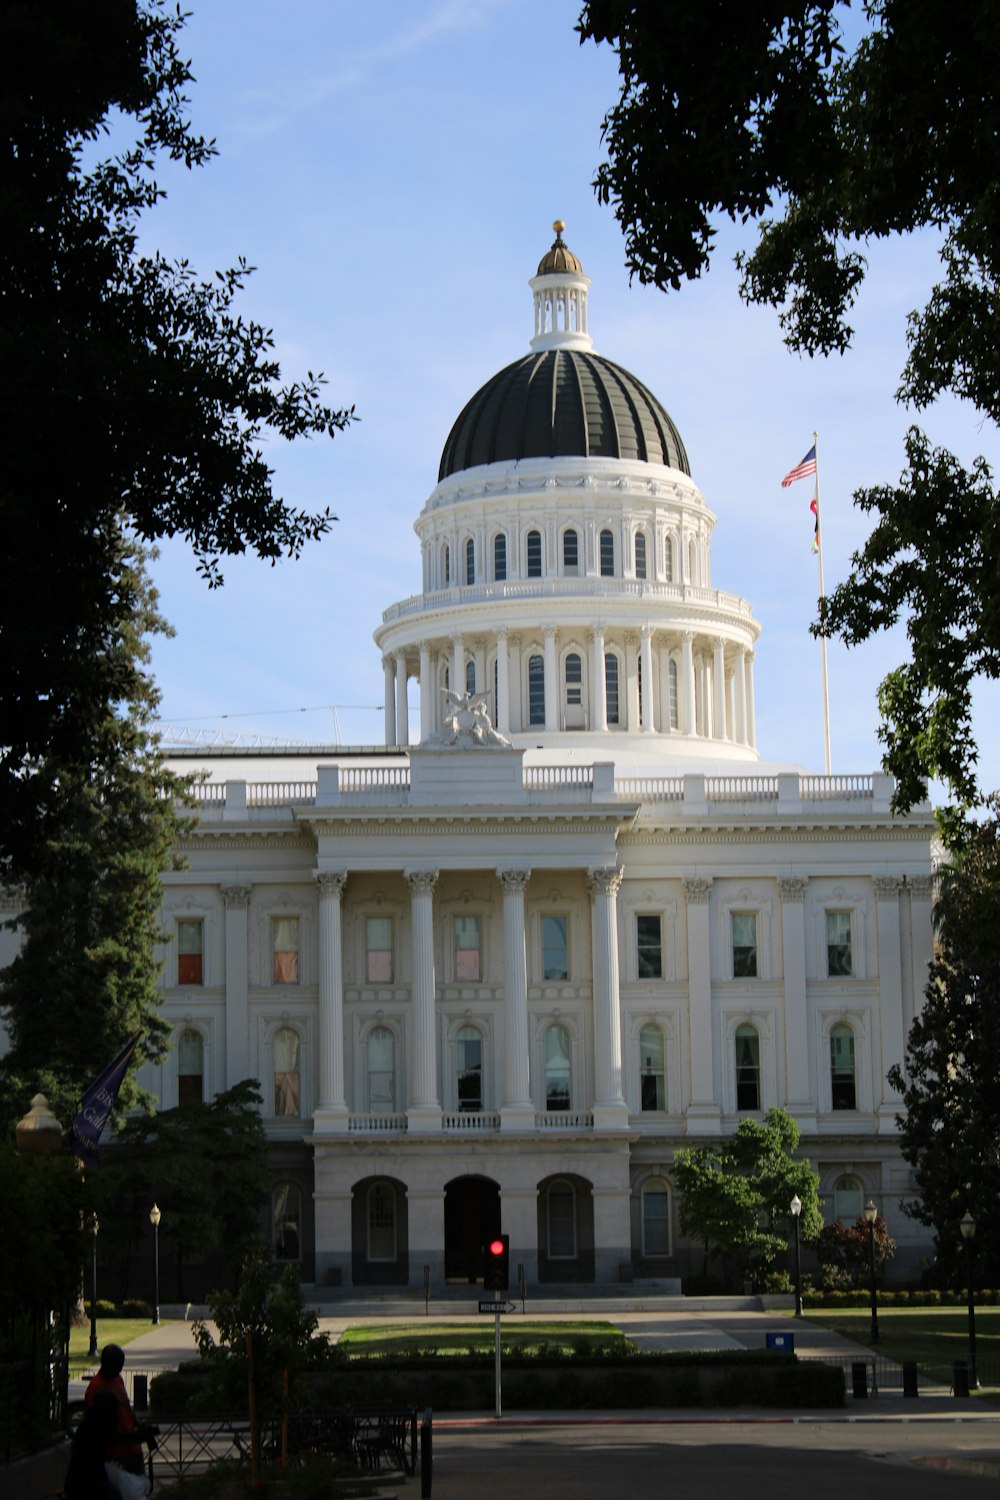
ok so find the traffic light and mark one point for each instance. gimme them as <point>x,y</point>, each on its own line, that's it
<point>496,1274</point>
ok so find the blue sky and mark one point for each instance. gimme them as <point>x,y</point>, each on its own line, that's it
<point>393,171</point>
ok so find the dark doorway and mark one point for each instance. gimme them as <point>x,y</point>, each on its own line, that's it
<point>471,1217</point>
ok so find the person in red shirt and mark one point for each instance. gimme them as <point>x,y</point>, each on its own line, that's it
<point>124,1447</point>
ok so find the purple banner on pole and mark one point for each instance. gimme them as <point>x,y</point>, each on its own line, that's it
<point>98,1102</point>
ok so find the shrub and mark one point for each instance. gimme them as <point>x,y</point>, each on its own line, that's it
<point>135,1307</point>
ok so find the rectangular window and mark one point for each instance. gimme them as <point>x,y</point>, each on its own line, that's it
<point>649,947</point>
<point>285,950</point>
<point>744,935</point>
<point>655,1222</point>
<point>555,948</point>
<point>190,938</point>
<point>747,1069</point>
<point>652,1070</point>
<point>838,945</point>
<point>468,948</point>
<point>378,962</point>
<point>570,552</point>
<point>534,554</point>
<point>500,557</point>
<point>562,1224</point>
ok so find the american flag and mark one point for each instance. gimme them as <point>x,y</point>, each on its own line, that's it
<point>802,470</point>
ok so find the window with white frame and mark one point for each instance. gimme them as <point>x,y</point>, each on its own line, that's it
<point>652,1070</point>
<point>534,551</point>
<point>558,1077</point>
<point>743,932</point>
<point>381,1222</point>
<point>469,1070</point>
<point>839,957</point>
<point>655,1219</point>
<point>571,551</point>
<point>190,1067</point>
<point>380,1055</point>
<point>287,1078</point>
<point>190,951</point>
<point>500,557</point>
<point>284,950</point>
<point>640,555</point>
<point>607,553</point>
<point>536,690</point>
<point>378,950</point>
<point>560,1205</point>
<point>286,1221</point>
<point>555,947</point>
<point>468,947</point>
<point>649,945</point>
<point>470,561</point>
<point>672,694</point>
<point>573,669</point>
<point>747,1047</point>
<point>446,563</point>
<point>470,676</point>
<point>611,687</point>
<point>848,1199</point>
<point>668,559</point>
<point>843,1077</point>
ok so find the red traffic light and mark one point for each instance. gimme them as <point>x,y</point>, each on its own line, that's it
<point>496,1247</point>
<point>496,1272</point>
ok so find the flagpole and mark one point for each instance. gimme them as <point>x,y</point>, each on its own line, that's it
<point>822,639</point>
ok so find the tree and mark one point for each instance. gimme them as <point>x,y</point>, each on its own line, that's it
<point>136,398</point>
<point>844,1252</point>
<point>85,978</point>
<point>950,1084</point>
<point>822,149</point>
<point>736,1196</point>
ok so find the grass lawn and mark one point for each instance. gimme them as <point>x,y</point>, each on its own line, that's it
<point>933,1336</point>
<point>109,1331</point>
<point>522,1336</point>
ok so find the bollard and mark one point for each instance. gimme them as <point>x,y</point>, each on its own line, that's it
<point>426,1455</point>
<point>910,1378</point>
<point>960,1378</point>
<point>859,1379</point>
<point>140,1392</point>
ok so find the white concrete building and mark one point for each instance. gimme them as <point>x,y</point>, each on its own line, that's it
<point>498,984</point>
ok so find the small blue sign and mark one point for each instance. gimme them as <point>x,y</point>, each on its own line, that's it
<point>785,1342</point>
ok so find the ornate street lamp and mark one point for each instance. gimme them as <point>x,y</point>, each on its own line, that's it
<point>154,1218</point>
<point>968,1228</point>
<point>796,1207</point>
<point>871,1214</point>
<point>93,1351</point>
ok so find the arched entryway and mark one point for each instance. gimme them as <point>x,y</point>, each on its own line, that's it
<point>471,1217</point>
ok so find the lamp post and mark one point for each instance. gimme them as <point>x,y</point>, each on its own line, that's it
<point>93,1350</point>
<point>154,1219</point>
<point>796,1207</point>
<point>968,1228</point>
<point>871,1214</point>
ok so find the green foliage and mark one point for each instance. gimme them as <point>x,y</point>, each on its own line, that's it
<point>137,400</point>
<point>950,1085</point>
<point>736,1195</point>
<point>760,114</point>
<point>844,1249</point>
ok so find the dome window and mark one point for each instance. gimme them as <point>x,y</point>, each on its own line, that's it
<point>607,547</point>
<point>446,564</point>
<point>534,554</point>
<point>611,687</point>
<point>500,557</point>
<point>640,555</point>
<point>571,552</point>
<point>536,690</point>
<point>470,561</point>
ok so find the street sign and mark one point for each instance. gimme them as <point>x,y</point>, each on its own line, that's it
<point>497,1307</point>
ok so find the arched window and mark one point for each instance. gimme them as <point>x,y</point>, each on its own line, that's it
<point>640,555</point>
<point>691,562</point>
<point>611,687</point>
<point>843,1083</point>
<point>574,680</point>
<point>190,1068</point>
<point>534,554</point>
<point>560,1220</point>
<point>668,559</point>
<point>571,551</point>
<point>381,1055</point>
<point>500,557</point>
<point>557,1069</point>
<point>655,1219</point>
<point>747,1068</point>
<point>536,690</point>
<point>286,1221</point>
<point>286,1072</point>
<point>470,676</point>
<point>469,1070</point>
<point>381,1222</point>
<point>848,1199</point>
<point>672,690</point>
<point>470,560</point>
<point>446,564</point>
<point>607,554</point>
<point>652,1069</point>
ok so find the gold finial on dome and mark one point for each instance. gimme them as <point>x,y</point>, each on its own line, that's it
<point>558,225</point>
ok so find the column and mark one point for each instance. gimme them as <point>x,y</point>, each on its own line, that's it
<point>610,1109</point>
<point>703,1111</point>
<point>237,899</point>
<point>751,708</point>
<point>719,686</point>
<point>332,1112</point>
<point>402,705</point>
<point>598,684</point>
<point>388,673</point>
<point>740,685</point>
<point>793,946</point>
<point>456,679</point>
<point>425,1108</point>
<point>629,689</point>
<point>646,696</point>
<point>517,1112</point>
<point>890,987</point>
<point>479,657</point>
<point>551,681</point>
<point>502,705</point>
<point>687,683</point>
<point>427,694</point>
<point>516,682</point>
<point>921,944</point>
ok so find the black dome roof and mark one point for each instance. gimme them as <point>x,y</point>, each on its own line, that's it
<point>563,403</point>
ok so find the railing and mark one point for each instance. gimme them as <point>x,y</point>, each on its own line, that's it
<point>280,793</point>
<point>564,1119</point>
<point>471,1122</point>
<point>839,788</point>
<point>206,791</point>
<point>366,778</point>
<point>541,778</point>
<point>373,1439</point>
<point>561,588</point>
<point>375,1124</point>
<point>649,788</point>
<point>741,788</point>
